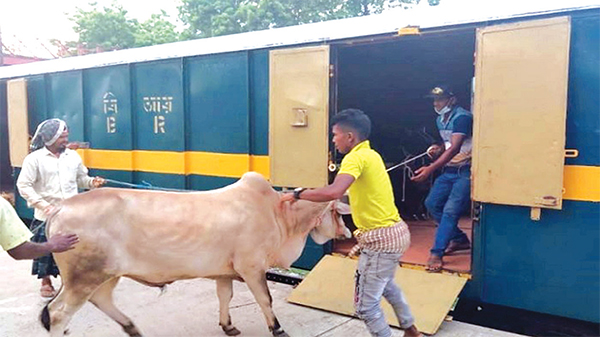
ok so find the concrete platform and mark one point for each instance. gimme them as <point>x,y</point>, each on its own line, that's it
<point>187,308</point>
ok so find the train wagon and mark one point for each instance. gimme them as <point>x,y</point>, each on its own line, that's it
<point>196,115</point>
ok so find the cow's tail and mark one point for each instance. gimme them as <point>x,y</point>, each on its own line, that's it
<point>45,314</point>
<point>45,317</point>
<point>51,216</point>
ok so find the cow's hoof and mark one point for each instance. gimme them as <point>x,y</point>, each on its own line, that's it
<point>231,331</point>
<point>280,333</point>
<point>131,330</point>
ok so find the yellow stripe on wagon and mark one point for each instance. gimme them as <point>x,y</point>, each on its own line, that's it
<point>217,164</point>
<point>171,162</point>
<point>581,183</point>
<point>107,159</point>
<point>159,161</point>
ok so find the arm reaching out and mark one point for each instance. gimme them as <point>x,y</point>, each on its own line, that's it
<point>56,244</point>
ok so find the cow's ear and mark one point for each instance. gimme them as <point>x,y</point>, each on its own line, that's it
<point>342,208</point>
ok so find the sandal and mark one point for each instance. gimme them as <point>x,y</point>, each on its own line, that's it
<point>434,264</point>
<point>411,330</point>
<point>47,290</point>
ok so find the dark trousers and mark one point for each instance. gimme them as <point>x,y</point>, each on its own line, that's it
<point>449,197</point>
<point>42,266</point>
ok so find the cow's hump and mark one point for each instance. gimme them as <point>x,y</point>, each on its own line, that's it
<point>256,181</point>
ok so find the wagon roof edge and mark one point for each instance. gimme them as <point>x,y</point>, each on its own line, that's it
<point>313,33</point>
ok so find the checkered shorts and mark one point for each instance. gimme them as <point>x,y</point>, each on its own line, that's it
<point>394,239</point>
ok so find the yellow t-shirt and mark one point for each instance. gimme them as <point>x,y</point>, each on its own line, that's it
<point>13,231</point>
<point>371,194</point>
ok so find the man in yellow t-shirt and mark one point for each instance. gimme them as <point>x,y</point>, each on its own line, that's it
<point>382,236</point>
<point>14,237</point>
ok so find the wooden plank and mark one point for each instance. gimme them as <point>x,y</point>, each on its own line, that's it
<point>330,286</point>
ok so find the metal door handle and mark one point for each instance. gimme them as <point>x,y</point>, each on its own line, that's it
<point>300,117</point>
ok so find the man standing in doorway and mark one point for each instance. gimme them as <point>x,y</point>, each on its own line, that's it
<point>50,173</point>
<point>450,195</point>
<point>382,236</point>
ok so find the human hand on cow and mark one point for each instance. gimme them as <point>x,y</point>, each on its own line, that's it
<point>62,242</point>
<point>422,173</point>
<point>98,181</point>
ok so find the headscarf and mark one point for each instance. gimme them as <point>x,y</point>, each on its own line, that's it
<point>47,133</point>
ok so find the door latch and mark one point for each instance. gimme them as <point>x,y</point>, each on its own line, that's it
<point>300,117</point>
<point>547,200</point>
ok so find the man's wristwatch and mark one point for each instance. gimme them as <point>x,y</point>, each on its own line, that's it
<point>297,192</point>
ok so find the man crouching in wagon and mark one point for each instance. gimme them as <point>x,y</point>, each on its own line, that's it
<point>382,236</point>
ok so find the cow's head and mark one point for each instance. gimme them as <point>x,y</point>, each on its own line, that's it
<point>330,224</point>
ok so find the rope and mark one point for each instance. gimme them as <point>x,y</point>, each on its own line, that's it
<point>407,161</point>
<point>407,172</point>
<point>144,185</point>
<point>38,227</point>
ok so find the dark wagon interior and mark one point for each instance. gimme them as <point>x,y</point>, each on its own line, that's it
<point>388,79</point>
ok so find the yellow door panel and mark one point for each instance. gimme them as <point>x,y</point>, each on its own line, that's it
<point>519,109</point>
<point>18,129</point>
<point>298,116</point>
<point>330,286</point>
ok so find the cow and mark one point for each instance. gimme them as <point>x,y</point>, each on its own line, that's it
<point>156,237</point>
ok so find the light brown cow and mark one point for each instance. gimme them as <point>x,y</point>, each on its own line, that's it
<point>156,238</point>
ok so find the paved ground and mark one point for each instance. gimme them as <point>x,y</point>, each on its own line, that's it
<point>187,308</point>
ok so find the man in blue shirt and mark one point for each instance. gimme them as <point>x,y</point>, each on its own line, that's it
<point>450,195</point>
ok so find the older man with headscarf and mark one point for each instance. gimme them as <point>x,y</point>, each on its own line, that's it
<point>50,173</point>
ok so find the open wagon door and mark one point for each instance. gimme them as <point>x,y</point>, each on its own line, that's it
<point>520,103</point>
<point>519,139</point>
<point>299,116</point>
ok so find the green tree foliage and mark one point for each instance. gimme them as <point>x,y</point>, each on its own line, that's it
<point>107,28</point>
<point>205,18</point>
<point>110,28</point>
<point>156,30</point>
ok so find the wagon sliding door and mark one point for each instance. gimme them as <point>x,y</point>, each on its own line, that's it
<point>298,116</point>
<point>520,102</point>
